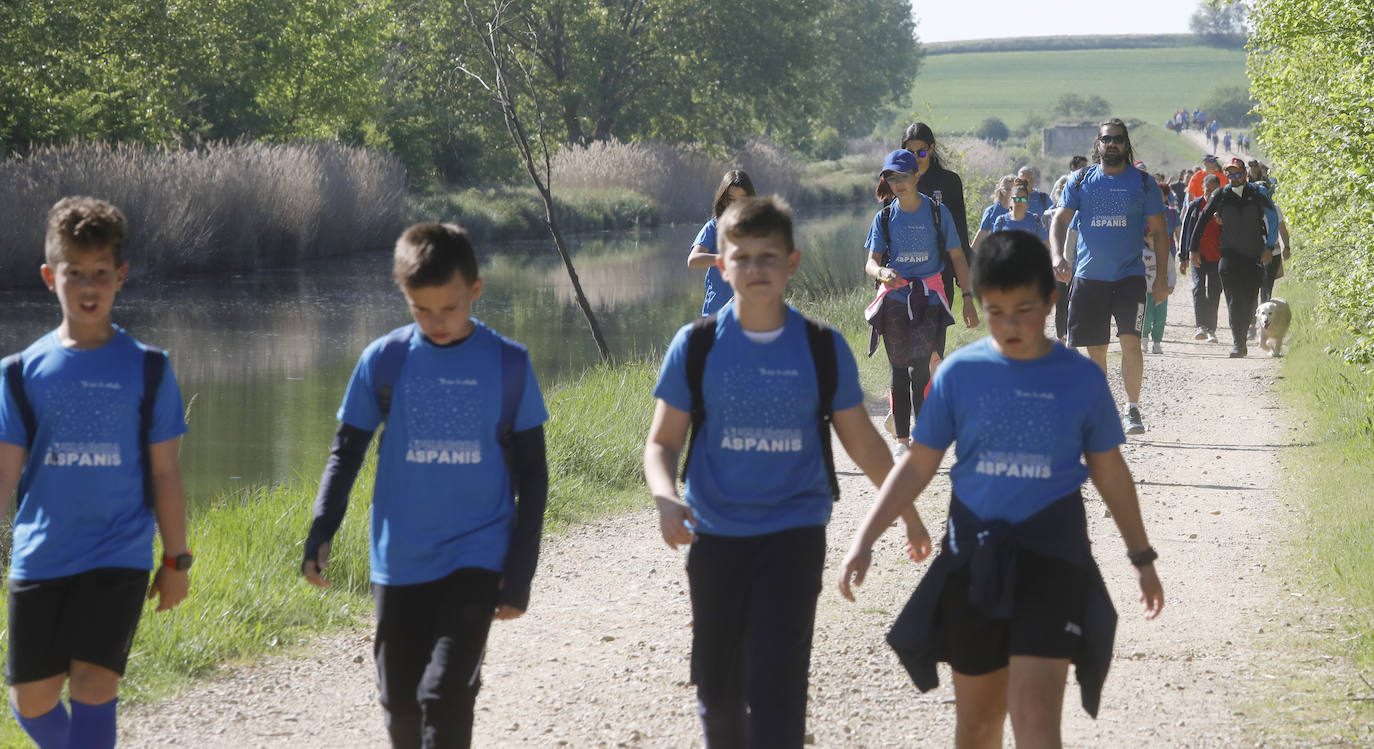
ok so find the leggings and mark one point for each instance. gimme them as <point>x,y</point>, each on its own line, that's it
<point>909,342</point>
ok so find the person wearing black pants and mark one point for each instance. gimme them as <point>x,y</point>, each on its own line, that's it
<point>1245,247</point>
<point>753,609</point>
<point>1205,261</point>
<point>433,635</point>
<point>1241,277</point>
<point>1206,293</point>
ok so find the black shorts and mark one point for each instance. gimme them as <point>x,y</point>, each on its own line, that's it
<point>1093,305</point>
<point>1047,617</point>
<point>90,616</point>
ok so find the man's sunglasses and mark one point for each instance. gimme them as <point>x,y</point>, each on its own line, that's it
<point>1112,138</point>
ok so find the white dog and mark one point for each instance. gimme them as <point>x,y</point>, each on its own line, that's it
<point>1273,318</point>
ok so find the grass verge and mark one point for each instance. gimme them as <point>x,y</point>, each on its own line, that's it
<point>1324,697</point>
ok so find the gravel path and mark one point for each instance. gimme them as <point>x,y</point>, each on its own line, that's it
<point>601,658</point>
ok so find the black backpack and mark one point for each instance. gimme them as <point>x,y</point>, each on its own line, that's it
<point>154,364</point>
<point>821,339</point>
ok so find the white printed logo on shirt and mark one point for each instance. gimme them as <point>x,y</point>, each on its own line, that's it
<point>83,454</point>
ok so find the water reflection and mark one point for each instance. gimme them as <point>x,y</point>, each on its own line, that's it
<point>263,359</point>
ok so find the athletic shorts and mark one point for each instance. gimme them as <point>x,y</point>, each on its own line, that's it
<point>1046,621</point>
<point>1094,304</point>
<point>90,616</point>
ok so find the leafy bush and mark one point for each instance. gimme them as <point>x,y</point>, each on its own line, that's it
<point>1071,106</point>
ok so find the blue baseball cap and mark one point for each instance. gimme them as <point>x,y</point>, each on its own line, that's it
<point>900,160</point>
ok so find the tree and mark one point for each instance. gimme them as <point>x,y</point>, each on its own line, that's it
<point>1220,22</point>
<point>1230,106</point>
<point>992,129</point>
<point>1071,106</point>
<point>509,82</point>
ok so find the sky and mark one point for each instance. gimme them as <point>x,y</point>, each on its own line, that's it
<point>952,20</point>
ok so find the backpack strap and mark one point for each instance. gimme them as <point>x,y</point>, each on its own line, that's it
<point>513,358</point>
<point>154,365</point>
<point>885,224</point>
<point>822,342</point>
<point>391,358</point>
<point>14,382</point>
<point>700,339</point>
<point>939,228</point>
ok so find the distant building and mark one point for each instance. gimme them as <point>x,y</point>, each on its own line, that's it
<point>1068,139</point>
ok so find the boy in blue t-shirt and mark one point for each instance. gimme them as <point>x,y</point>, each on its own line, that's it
<point>757,491</point>
<point>89,424</point>
<point>451,546</point>
<point>1015,595</point>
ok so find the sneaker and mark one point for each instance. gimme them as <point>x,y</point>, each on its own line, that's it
<point>1201,334</point>
<point>890,423</point>
<point>1144,345</point>
<point>1211,336</point>
<point>1156,349</point>
<point>1134,424</point>
<point>899,450</point>
<point>1238,352</point>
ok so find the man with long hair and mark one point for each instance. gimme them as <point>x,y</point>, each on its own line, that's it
<point>1117,202</point>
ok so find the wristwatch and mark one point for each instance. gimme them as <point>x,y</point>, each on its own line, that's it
<point>1141,558</point>
<point>181,562</point>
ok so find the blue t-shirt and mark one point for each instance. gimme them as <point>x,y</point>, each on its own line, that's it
<point>1113,210</point>
<point>914,253</point>
<point>718,292</point>
<point>84,504</point>
<point>990,214</point>
<point>443,498</point>
<point>1030,223</point>
<point>1039,202</point>
<point>757,467</point>
<point>1020,428</point>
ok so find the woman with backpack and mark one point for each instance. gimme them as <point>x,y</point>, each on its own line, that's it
<point>912,308</point>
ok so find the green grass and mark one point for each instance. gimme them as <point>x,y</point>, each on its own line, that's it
<point>1327,475</point>
<point>958,91</point>
<point>518,212</point>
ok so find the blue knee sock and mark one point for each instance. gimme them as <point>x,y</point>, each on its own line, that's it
<point>49,730</point>
<point>93,726</point>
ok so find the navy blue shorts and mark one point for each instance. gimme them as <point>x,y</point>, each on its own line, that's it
<point>90,616</point>
<point>1094,304</point>
<point>1047,620</point>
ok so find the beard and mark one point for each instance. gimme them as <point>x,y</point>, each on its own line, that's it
<point>1114,159</point>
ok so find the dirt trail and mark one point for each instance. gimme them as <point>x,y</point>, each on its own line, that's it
<point>601,658</point>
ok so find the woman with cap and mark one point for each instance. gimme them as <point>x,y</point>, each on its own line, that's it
<point>912,309</point>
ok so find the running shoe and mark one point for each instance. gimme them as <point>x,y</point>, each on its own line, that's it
<point>1201,334</point>
<point>1238,351</point>
<point>1211,336</point>
<point>1134,424</point>
<point>1156,349</point>
<point>900,450</point>
<point>890,423</point>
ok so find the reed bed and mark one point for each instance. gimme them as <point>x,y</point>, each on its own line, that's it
<point>220,207</point>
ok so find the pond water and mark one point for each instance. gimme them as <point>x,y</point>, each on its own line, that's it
<point>263,359</point>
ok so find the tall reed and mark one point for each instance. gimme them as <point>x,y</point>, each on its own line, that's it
<point>223,207</point>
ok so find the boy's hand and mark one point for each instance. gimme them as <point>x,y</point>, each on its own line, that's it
<point>313,569</point>
<point>1197,261</point>
<point>169,587</point>
<point>970,313</point>
<point>854,568</point>
<point>1151,592</point>
<point>506,612</point>
<point>917,541</point>
<point>675,519</point>
<point>891,279</point>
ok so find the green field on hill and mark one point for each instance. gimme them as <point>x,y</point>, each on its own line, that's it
<point>955,92</point>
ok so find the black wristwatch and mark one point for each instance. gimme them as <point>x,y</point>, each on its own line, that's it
<point>181,562</point>
<point>1142,558</point>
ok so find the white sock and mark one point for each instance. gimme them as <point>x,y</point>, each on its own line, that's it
<point>1129,406</point>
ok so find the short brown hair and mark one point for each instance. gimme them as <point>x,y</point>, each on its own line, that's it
<point>78,223</point>
<point>757,217</point>
<point>428,254</point>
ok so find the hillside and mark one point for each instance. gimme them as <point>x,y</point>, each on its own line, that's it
<point>956,91</point>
